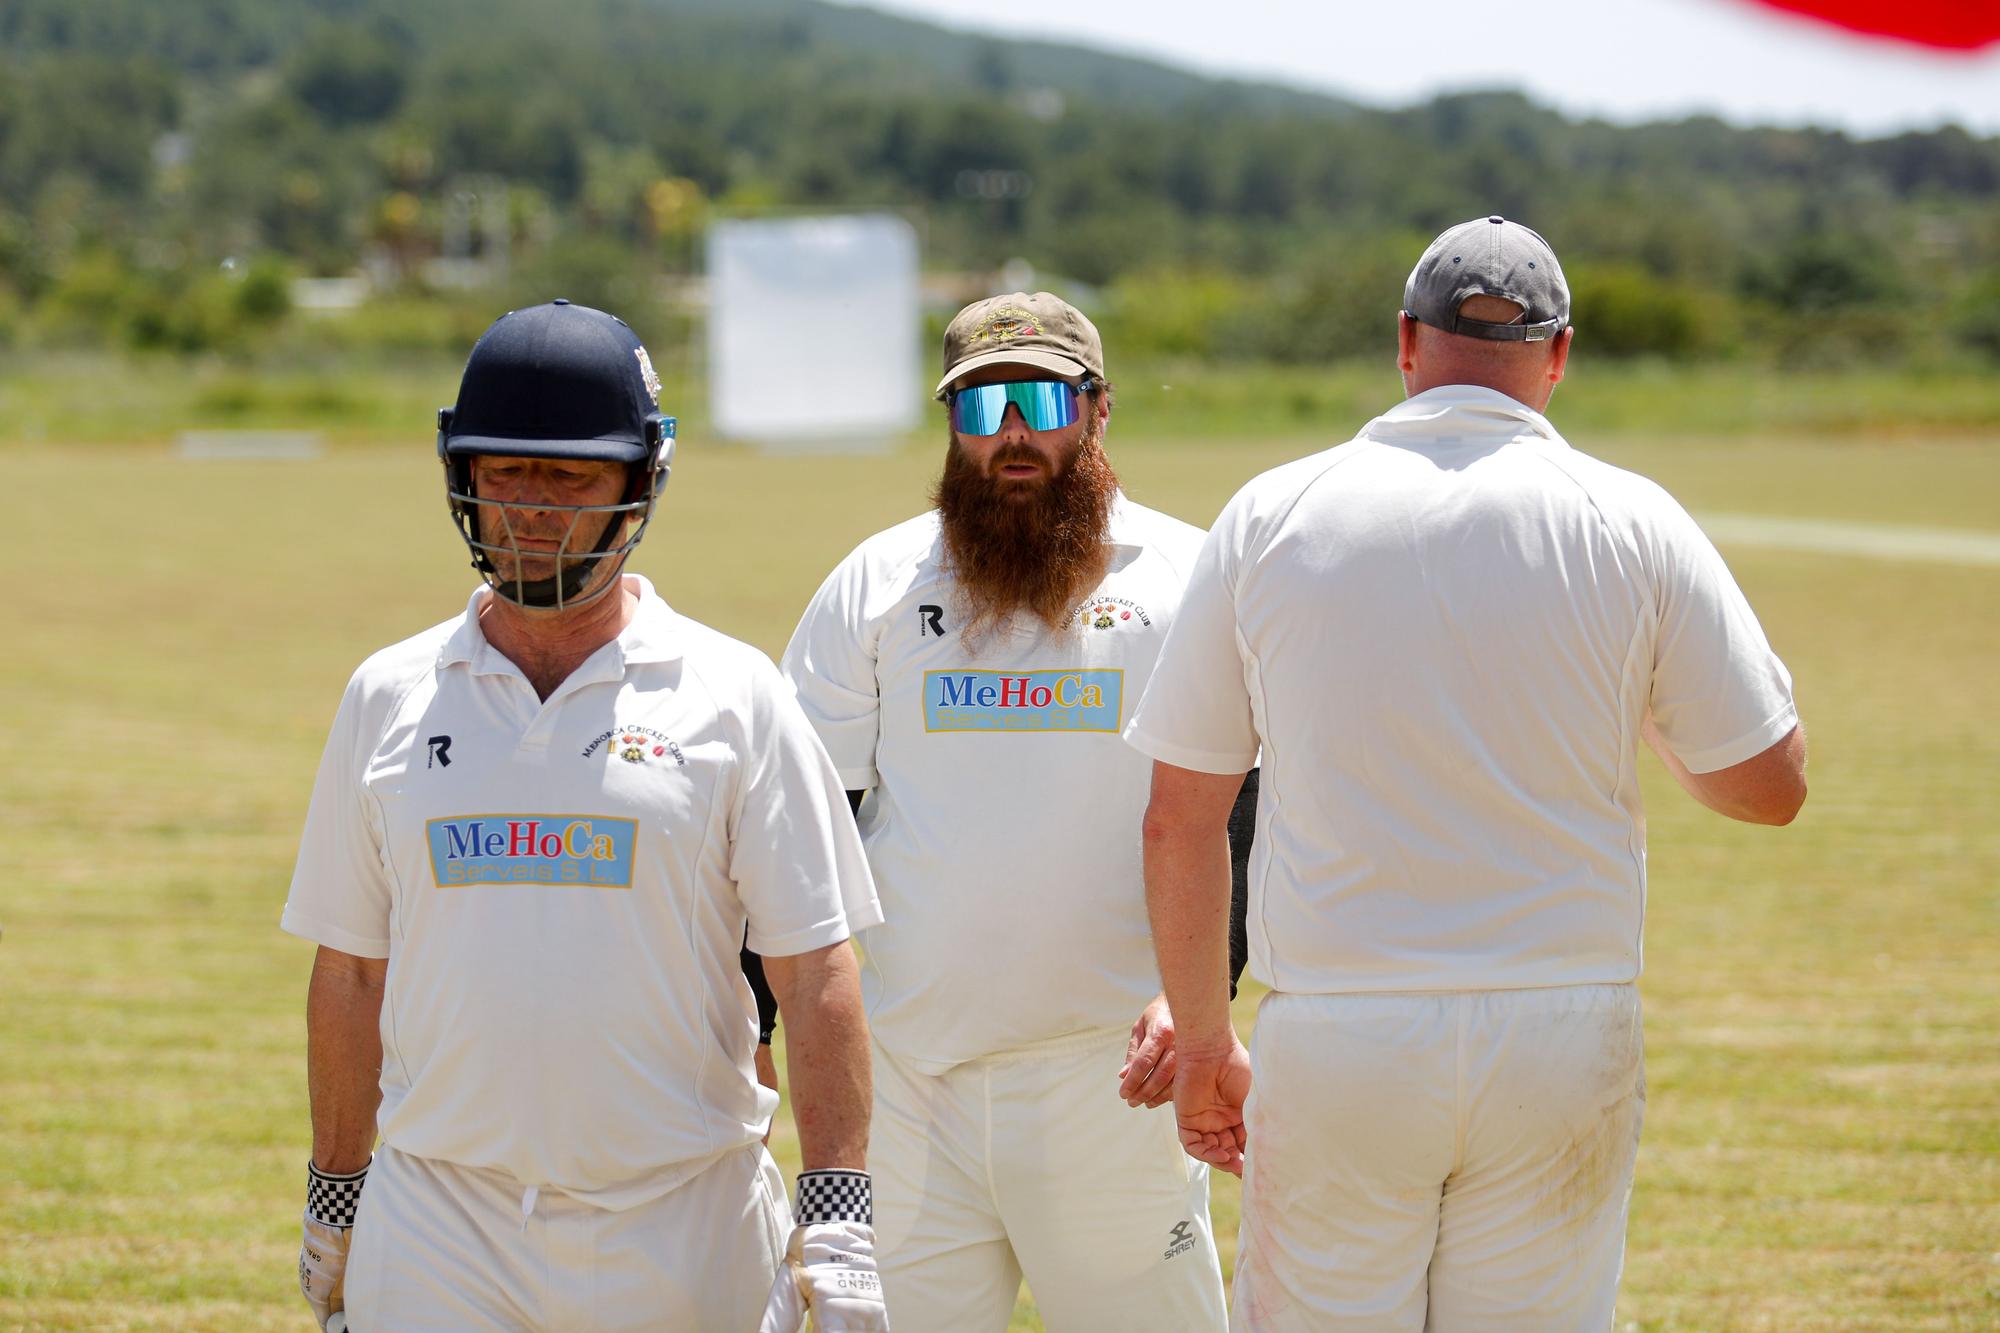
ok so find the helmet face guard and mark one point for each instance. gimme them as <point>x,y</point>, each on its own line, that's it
<point>576,570</point>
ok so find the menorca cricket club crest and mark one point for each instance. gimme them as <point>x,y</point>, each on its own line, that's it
<point>1102,613</point>
<point>637,745</point>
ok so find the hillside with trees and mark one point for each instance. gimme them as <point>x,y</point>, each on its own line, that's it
<point>167,169</point>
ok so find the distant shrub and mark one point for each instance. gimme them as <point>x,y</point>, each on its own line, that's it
<point>1819,270</point>
<point>597,271</point>
<point>10,317</point>
<point>264,291</point>
<point>88,301</point>
<point>1975,316</point>
<point>1340,302</point>
<point>1624,310</point>
<point>1175,312</point>
<point>348,74</point>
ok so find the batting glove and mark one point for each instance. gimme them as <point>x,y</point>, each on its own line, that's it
<point>331,1202</point>
<point>829,1265</point>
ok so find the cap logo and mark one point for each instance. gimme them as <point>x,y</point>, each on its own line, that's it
<point>647,373</point>
<point>1005,325</point>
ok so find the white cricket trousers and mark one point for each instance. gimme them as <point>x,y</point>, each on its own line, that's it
<point>1451,1161</point>
<point>1029,1162</point>
<point>440,1248</point>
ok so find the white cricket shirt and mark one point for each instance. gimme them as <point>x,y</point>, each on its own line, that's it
<point>1446,634</point>
<point>561,890</point>
<point>1004,825</point>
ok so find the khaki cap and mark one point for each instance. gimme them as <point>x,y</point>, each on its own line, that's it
<point>1024,329</point>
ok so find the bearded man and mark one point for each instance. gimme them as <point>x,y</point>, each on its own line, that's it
<point>969,671</point>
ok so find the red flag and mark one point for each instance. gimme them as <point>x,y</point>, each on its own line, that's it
<point>1958,25</point>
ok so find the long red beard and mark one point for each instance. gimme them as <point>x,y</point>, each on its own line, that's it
<point>1038,553</point>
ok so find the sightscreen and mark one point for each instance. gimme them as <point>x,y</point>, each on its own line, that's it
<point>813,330</point>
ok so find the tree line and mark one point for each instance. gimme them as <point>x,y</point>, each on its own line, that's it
<point>166,168</point>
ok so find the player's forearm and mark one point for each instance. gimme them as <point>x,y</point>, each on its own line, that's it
<point>1768,788</point>
<point>1187,899</point>
<point>344,1057</point>
<point>826,1055</point>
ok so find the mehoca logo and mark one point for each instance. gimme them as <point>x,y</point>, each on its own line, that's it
<point>1073,699</point>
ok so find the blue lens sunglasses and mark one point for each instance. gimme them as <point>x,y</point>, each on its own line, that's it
<point>1044,404</point>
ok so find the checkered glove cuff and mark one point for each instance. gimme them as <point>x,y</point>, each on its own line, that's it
<point>835,1196</point>
<point>333,1199</point>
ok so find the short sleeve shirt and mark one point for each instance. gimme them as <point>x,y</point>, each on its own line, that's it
<point>1446,634</point>
<point>1004,822</point>
<point>561,889</point>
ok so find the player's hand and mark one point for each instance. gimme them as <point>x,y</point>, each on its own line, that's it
<point>331,1202</point>
<point>1209,1091</point>
<point>1147,1078</point>
<point>829,1270</point>
<point>323,1267</point>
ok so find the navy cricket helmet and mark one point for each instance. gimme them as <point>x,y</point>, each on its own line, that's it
<point>557,381</point>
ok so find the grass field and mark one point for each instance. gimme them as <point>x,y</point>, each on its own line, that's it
<point>373,396</point>
<point>1822,1149</point>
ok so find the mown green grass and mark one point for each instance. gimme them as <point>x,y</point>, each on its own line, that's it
<point>354,395</point>
<point>1821,1151</point>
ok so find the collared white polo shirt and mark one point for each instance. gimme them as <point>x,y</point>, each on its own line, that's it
<point>1004,826</point>
<point>561,890</point>
<point>1446,634</point>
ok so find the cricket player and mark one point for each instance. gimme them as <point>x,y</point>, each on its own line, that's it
<point>969,671</point>
<point>1448,638</point>
<point>538,836</point>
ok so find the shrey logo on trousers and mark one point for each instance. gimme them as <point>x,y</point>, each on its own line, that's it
<point>1074,699</point>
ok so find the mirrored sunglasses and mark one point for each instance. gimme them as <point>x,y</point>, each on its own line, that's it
<point>1044,404</point>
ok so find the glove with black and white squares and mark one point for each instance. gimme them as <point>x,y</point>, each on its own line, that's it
<point>829,1265</point>
<point>331,1203</point>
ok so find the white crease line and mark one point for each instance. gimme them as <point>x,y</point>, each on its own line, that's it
<point>1882,541</point>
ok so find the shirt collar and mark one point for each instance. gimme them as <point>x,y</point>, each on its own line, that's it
<point>651,637</point>
<point>1467,410</point>
<point>1124,529</point>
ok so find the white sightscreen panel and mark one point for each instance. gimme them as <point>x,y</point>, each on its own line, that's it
<point>814,329</point>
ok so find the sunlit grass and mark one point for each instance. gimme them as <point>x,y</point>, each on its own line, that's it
<point>1821,1150</point>
<point>352,394</point>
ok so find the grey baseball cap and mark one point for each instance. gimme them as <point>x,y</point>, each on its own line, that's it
<point>1024,329</point>
<point>1490,257</point>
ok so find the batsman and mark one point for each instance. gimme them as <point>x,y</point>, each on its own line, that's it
<point>539,834</point>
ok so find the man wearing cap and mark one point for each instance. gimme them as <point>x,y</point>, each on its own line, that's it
<point>538,836</point>
<point>969,671</point>
<point>1447,637</point>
